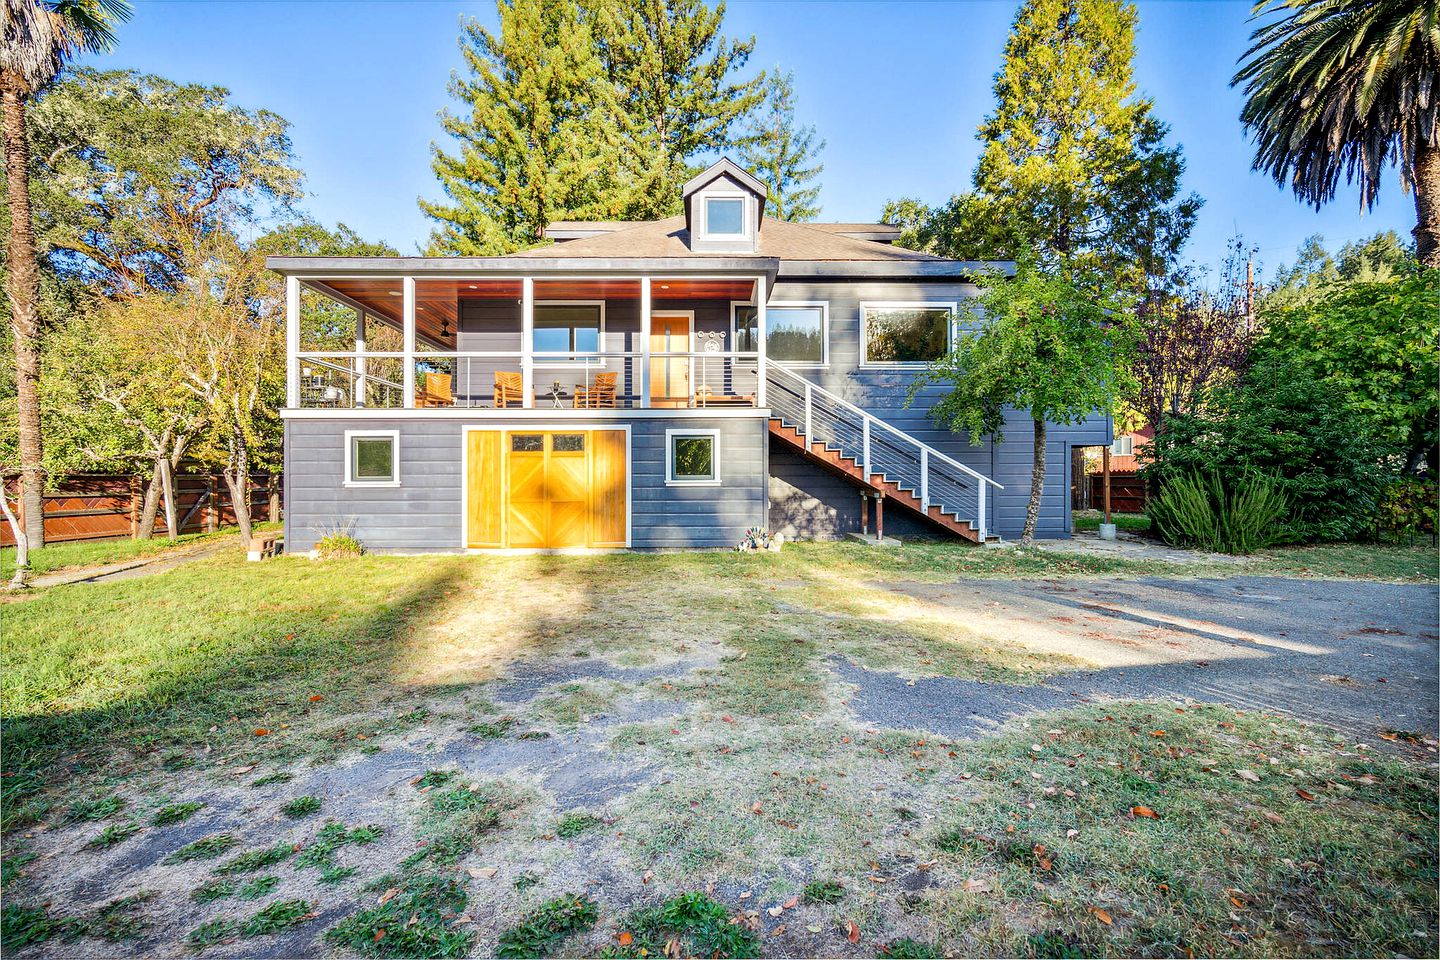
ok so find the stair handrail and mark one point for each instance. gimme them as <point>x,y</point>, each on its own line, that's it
<point>867,420</point>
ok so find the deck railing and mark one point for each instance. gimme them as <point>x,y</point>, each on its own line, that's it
<point>879,447</point>
<point>467,379</point>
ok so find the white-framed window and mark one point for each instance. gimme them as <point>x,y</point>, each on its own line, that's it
<point>372,458</point>
<point>797,332</point>
<point>1123,446</point>
<point>567,326</point>
<point>725,216</point>
<point>911,333</point>
<point>692,458</point>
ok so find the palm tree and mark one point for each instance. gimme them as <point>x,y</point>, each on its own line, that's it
<point>39,36</point>
<point>1346,88</point>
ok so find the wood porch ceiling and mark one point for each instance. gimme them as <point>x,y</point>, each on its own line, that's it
<point>437,302</point>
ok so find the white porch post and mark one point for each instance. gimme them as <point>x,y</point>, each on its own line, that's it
<point>292,342</point>
<point>644,341</point>
<point>360,389</point>
<point>408,306</point>
<point>761,295</point>
<point>527,342</point>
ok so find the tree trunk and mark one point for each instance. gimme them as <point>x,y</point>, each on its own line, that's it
<point>1037,487</point>
<point>167,490</point>
<point>23,289</point>
<point>151,504</point>
<point>1427,204</point>
<point>237,478</point>
<point>22,542</point>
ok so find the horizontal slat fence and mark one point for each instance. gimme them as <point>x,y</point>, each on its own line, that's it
<point>107,506</point>
<point>1128,493</point>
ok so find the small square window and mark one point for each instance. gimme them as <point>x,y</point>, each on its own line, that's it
<point>1123,447</point>
<point>371,459</point>
<point>725,217</point>
<point>692,457</point>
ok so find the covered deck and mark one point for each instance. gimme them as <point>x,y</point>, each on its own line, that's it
<point>479,334</point>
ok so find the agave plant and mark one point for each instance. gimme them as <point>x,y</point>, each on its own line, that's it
<point>1345,88</point>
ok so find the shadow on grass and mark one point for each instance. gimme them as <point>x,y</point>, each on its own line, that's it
<point>205,656</point>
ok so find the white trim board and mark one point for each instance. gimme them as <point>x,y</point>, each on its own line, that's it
<point>865,361</point>
<point>670,479</point>
<point>770,307</point>
<point>394,437</point>
<point>573,417</point>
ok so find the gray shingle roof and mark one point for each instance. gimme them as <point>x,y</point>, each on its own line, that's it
<point>779,239</point>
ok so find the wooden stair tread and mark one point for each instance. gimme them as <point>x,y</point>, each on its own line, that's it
<point>849,467</point>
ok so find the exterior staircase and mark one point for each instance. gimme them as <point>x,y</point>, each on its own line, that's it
<point>881,460</point>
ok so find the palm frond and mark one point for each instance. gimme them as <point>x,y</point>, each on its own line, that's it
<point>1340,89</point>
<point>40,35</point>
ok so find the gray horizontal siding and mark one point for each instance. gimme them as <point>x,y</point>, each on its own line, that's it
<point>882,392</point>
<point>424,512</point>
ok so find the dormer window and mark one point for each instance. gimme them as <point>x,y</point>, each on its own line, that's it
<point>724,210</point>
<point>725,216</point>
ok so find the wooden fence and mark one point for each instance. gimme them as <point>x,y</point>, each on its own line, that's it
<point>1127,493</point>
<point>107,506</point>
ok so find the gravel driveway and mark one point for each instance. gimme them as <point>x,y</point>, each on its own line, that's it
<point>1361,657</point>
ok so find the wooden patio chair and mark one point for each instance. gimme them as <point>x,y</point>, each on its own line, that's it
<point>599,393</point>
<point>437,392</point>
<point>509,389</point>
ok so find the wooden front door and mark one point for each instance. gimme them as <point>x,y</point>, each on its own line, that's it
<point>669,376</point>
<point>550,489</point>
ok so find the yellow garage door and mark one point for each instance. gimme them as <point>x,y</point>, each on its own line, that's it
<point>547,489</point>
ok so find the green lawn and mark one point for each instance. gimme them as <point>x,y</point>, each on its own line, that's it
<point>193,684</point>
<point>95,553</point>
<point>1089,520</point>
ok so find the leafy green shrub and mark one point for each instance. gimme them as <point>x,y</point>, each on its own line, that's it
<point>175,813</point>
<point>1329,458</point>
<point>338,546</point>
<point>301,807</point>
<point>1231,514</point>
<point>1407,507</point>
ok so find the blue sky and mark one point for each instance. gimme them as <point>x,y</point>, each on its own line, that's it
<point>896,88</point>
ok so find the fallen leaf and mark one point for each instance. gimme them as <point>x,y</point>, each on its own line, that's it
<point>483,873</point>
<point>1305,795</point>
<point>976,885</point>
<point>625,938</point>
<point>814,927</point>
<point>1102,916</point>
<point>791,904</point>
<point>1144,812</point>
<point>387,896</point>
<point>672,947</point>
<point>316,698</point>
<point>756,809</point>
<point>261,732</point>
<point>852,931</point>
<point>1071,834</point>
<point>775,911</point>
<point>745,895</point>
<point>379,935</point>
<point>648,876</point>
<point>245,769</point>
<point>1250,775</point>
<point>778,931</point>
<point>1157,733</point>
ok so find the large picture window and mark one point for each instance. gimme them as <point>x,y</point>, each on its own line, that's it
<point>906,333</point>
<point>567,328</point>
<point>372,458</point>
<point>796,333</point>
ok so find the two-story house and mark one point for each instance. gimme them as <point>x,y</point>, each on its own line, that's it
<point>642,385</point>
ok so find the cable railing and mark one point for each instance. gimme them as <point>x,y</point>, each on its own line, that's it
<point>546,379</point>
<point>879,447</point>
